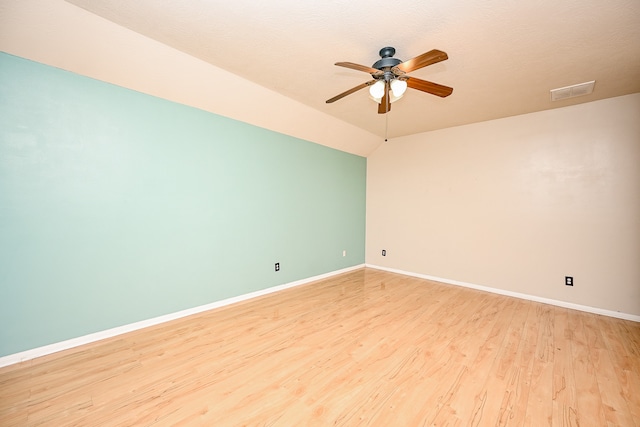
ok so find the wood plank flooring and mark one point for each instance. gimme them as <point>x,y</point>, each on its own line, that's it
<point>365,348</point>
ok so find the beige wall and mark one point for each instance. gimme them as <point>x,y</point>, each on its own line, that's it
<point>517,203</point>
<point>62,35</point>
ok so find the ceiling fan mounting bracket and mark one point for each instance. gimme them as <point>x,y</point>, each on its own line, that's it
<point>387,52</point>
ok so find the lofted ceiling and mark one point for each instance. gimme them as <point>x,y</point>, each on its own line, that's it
<point>504,55</point>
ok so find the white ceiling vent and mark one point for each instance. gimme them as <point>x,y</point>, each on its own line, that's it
<point>572,91</point>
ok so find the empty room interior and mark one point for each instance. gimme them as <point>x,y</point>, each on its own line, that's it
<point>288,213</point>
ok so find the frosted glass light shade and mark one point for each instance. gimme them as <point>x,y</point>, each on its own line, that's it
<point>398,87</point>
<point>376,90</point>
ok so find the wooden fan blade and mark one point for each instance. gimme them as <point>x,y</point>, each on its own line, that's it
<point>385,103</point>
<point>423,60</point>
<point>350,91</point>
<point>429,87</point>
<point>373,71</point>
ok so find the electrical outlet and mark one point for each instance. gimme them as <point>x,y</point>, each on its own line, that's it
<point>344,253</point>
<point>384,252</point>
<point>277,266</point>
<point>568,280</point>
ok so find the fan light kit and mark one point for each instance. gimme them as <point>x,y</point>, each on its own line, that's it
<point>390,80</point>
<point>376,90</point>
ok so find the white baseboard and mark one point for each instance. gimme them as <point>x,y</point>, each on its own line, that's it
<point>595,310</point>
<point>97,336</point>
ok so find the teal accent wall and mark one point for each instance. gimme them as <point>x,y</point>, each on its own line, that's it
<point>116,206</point>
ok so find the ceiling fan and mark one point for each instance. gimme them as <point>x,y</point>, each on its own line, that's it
<point>390,78</point>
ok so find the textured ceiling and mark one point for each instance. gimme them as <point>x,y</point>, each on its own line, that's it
<point>504,55</point>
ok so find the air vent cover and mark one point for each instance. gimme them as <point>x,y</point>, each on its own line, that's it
<point>572,91</point>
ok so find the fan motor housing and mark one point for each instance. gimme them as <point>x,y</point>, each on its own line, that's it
<point>386,53</point>
<point>386,62</point>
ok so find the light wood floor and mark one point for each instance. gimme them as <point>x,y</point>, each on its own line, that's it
<point>366,348</point>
